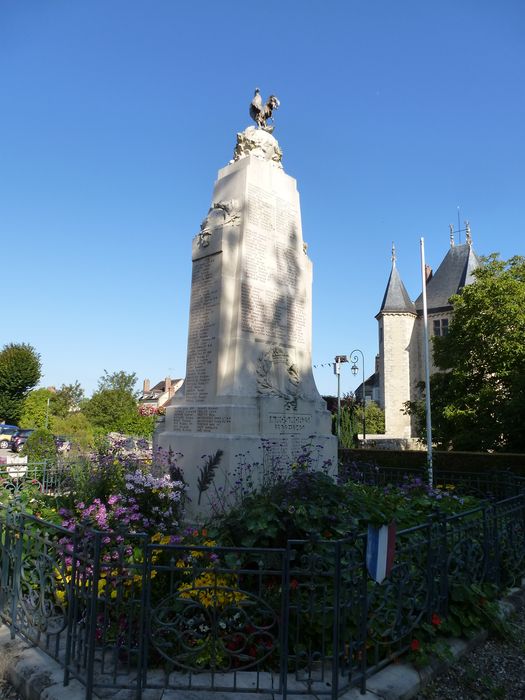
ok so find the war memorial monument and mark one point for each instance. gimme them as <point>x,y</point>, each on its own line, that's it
<point>249,387</point>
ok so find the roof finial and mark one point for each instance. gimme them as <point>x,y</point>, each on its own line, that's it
<point>468,236</point>
<point>451,227</point>
<point>393,254</point>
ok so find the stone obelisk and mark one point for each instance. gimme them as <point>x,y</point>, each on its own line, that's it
<point>249,387</point>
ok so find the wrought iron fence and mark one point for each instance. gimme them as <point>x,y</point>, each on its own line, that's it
<point>47,476</point>
<point>124,611</point>
<point>492,485</point>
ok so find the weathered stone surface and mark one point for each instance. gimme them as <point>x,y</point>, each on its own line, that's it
<point>249,386</point>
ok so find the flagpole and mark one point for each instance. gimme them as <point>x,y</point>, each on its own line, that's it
<point>427,365</point>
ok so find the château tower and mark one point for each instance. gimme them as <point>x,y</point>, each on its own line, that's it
<point>401,337</point>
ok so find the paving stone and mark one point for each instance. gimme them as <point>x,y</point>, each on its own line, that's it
<point>395,682</point>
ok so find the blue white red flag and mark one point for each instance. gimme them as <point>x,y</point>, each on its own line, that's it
<point>380,550</point>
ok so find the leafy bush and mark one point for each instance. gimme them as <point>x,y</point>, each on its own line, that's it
<point>300,502</point>
<point>77,427</point>
<point>40,446</point>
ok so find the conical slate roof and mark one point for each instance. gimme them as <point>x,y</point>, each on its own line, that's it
<point>396,297</point>
<point>451,276</point>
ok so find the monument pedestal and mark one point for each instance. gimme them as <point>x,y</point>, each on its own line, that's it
<point>249,387</point>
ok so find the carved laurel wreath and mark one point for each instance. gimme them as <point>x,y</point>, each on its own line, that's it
<point>267,375</point>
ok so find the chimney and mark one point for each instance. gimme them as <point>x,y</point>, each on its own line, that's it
<point>428,273</point>
<point>145,386</point>
<point>167,386</point>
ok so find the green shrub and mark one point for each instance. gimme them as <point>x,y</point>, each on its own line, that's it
<point>40,446</point>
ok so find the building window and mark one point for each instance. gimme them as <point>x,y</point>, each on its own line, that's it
<point>441,326</point>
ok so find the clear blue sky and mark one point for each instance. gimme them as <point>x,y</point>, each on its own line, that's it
<point>116,116</point>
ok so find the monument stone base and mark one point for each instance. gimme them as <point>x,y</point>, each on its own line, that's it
<point>266,445</point>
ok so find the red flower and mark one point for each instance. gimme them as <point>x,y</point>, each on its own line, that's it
<point>415,645</point>
<point>436,620</point>
<point>294,583</point>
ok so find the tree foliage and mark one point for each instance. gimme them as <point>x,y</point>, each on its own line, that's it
<point>352,418</point>
<point>76,427</point>
<point>20,371</point>
<point>375,418</point>
<point>36,410</point>
<point>40,446</point>
<point>478,397</point>
<point>113,407</point>
<point>66,399</point>
<point>119,381</point>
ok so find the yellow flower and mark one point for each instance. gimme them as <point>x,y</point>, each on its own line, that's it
<point>211,590</point>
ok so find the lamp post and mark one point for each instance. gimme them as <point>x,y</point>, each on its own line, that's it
<point>337,370</point>
<point>355,369</point>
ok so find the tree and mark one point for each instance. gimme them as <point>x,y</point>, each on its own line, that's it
<point>121,381</point>
<point>349,425</point>
<point>68,398</point>
<point>40,446</point>
<point>20,371</point>
<point>375,418</point>
<point>113,407</point>
<point>76,427</point>
<point>109,409</point>
<point>478,397</point>
<point>36,409</point>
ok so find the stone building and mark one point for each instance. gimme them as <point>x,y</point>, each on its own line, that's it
<point>158,396</point>
<point>401,334</point>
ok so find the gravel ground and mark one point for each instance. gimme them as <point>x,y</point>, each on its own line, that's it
<point>493,671</point>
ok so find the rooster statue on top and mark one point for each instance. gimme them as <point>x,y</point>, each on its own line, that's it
<point>262,113</point>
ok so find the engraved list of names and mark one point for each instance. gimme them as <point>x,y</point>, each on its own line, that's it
<point>204,328</point>
<point>273,306</point>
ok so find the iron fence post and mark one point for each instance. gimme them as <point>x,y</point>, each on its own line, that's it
<point>19,526</point>
<point>442,557</point>
<point>285,620</point>
<point>364,616</point>
<point>144,617</point>
<point>71,606</point>
<point>92,631</point>
<point>337,620</point>
<point>5,559</point>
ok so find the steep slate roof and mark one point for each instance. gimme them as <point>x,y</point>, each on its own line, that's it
<point>451,276</point>
<point>396,297</point>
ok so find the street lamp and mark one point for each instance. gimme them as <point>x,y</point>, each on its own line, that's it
<point>337,370</point>
<point>355,369</point>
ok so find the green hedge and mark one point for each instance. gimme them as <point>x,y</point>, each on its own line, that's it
<point>452,461</point>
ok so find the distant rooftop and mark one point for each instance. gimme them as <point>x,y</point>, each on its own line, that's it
<point>396,297</point>
<point>451,276</point>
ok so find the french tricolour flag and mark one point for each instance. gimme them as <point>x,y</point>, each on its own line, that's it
<point>380,550</point>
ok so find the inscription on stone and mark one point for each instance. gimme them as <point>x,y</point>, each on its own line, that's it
<point>210,420</point>
<point>184,419</point>
<point>285,220</point>
<point>200,419</point>
<point>261,212</point>
<point>292,423</point>
<point>203,332</point>
<point>271,308</point>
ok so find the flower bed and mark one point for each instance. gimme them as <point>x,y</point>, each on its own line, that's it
<point>112,582</point>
